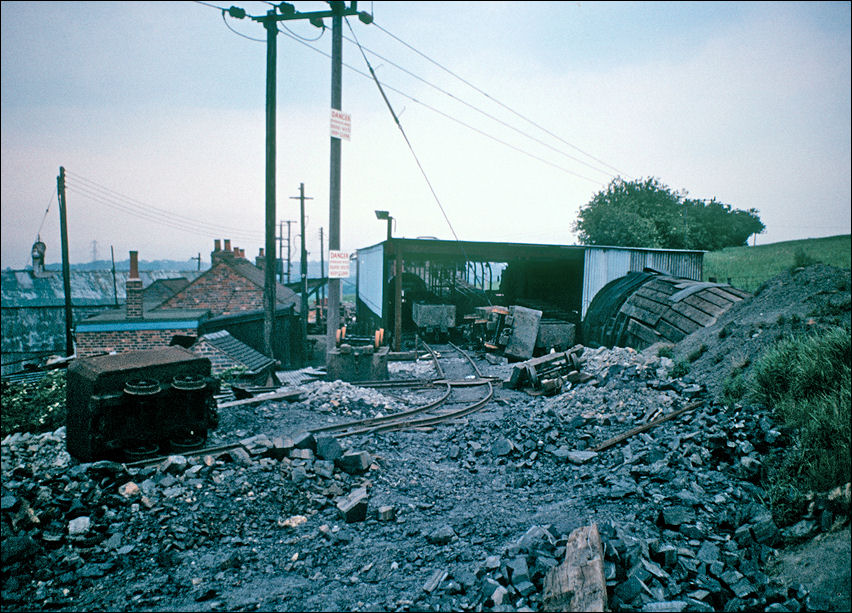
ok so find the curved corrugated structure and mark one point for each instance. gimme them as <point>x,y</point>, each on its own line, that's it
<point>643,308</point>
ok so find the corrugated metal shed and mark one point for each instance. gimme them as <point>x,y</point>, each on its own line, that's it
<point>605,264</point>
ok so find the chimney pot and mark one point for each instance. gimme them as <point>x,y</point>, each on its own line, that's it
<point>217,245</point>
<point>260,252</point>
<point>227,244</point>
<point>134,264</point>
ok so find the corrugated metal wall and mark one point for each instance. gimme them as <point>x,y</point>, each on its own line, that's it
<point>605,264</point>
<point>371,282</point>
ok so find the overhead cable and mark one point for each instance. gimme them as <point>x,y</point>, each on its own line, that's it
<point>116,200</point>
<point>482,112</point>
<point>487,95</point>
<point>451,118</point>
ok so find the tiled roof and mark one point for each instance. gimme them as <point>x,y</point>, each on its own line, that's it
<point>243,267</point>
<point>254,361</point>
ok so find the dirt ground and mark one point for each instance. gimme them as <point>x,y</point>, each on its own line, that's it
<point>822,565</point>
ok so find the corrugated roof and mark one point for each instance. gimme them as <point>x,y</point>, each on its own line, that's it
<point>18,288</point>
<point>254,361</point>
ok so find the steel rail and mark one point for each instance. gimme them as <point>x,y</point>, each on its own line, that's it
<point>401,421</point>
<point>386,423</point>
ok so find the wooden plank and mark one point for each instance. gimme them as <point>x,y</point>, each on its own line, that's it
<point>658,285</point>
<point>716,298</point>
<point>726,293</point>
<point>623,437</point>
<point>670,332</point>
<point>653,294</point>
<point>735,291</point>
<point>638,312</point>
<point>578,583</point>
<point>700,317</point>
<point>685,324</point>
<point>713,310</point>
<point>649,305</point>
<point>640,330</point>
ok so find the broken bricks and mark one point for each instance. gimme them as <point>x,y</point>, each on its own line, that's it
<point>353,506</point>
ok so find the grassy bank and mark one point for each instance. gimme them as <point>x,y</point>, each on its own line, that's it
<point>806,380</point>
<point>748,267</point>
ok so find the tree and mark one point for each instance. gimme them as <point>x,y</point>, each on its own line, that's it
<point>647,213</point>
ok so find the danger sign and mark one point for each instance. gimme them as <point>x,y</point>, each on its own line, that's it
<point>341,124</point>
<point>338,264</point>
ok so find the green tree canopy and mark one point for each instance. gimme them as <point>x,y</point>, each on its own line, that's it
<point>647,213</point>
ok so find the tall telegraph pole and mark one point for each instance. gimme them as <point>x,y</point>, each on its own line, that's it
<point>303,265</point>
<point>333,321</point>
<point>271,26</point>
<point>66,267</point>
<point>270,22</point>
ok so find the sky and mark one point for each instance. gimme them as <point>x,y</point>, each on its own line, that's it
<point>517,114</point>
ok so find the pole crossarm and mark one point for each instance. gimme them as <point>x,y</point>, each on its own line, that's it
<point>289,13</point>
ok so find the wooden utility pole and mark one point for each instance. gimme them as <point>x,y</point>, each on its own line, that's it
<point>280,266</point>
<point>303,265</point>
<point>289,249</point>
<point>322,277</point>
<point>66,266</point>
<point>333,317</point>
<point>271,26</point>
<point>270,22</point>
<point>114,284</point>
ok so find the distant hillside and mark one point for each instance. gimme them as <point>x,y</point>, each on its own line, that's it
<point>748,267</point>
<point>125,265</point>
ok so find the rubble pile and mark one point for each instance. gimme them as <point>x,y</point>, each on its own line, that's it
<point>467,516</point>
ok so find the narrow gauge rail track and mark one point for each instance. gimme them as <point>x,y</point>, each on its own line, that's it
<point>455,402</point>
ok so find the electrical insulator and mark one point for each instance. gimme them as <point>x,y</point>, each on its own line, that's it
<point>237,12</point>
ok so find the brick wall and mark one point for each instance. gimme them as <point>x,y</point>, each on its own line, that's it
<point>220,290</point>
<point>93,343</point>
<point>219,361</point>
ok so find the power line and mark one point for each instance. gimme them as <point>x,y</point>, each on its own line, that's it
<point>404,136</point>
<point>50,202</point>
<point>305,41</point>
<point>116,200</point>
<point>478,110</point>
<point>511,110</point>
<point>450,117</point>
<point>211,5</point>
<point>225,21</point>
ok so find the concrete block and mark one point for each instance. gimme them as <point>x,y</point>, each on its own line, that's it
<point>355,462</point>
<point>328,448</point>
<point>353,507</point>
<point>357,366</point>
<point>305,440</point>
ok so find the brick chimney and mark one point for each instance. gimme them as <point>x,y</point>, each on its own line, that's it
<point>260,260</point>
<point>133,288</point>
<point>218,253</point>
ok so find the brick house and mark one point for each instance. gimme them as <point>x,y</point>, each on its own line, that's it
<point>231,285</point>
<point>134,328</point>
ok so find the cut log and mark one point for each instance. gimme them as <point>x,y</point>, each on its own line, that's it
<point>578,583</point>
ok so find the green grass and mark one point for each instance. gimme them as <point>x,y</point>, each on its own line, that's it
<point>806,381</point>
<point>748,267</point>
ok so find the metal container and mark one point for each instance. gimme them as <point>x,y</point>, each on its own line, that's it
<point>139,403</point>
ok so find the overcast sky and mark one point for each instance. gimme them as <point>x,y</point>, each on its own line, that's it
<point>519,112</point>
